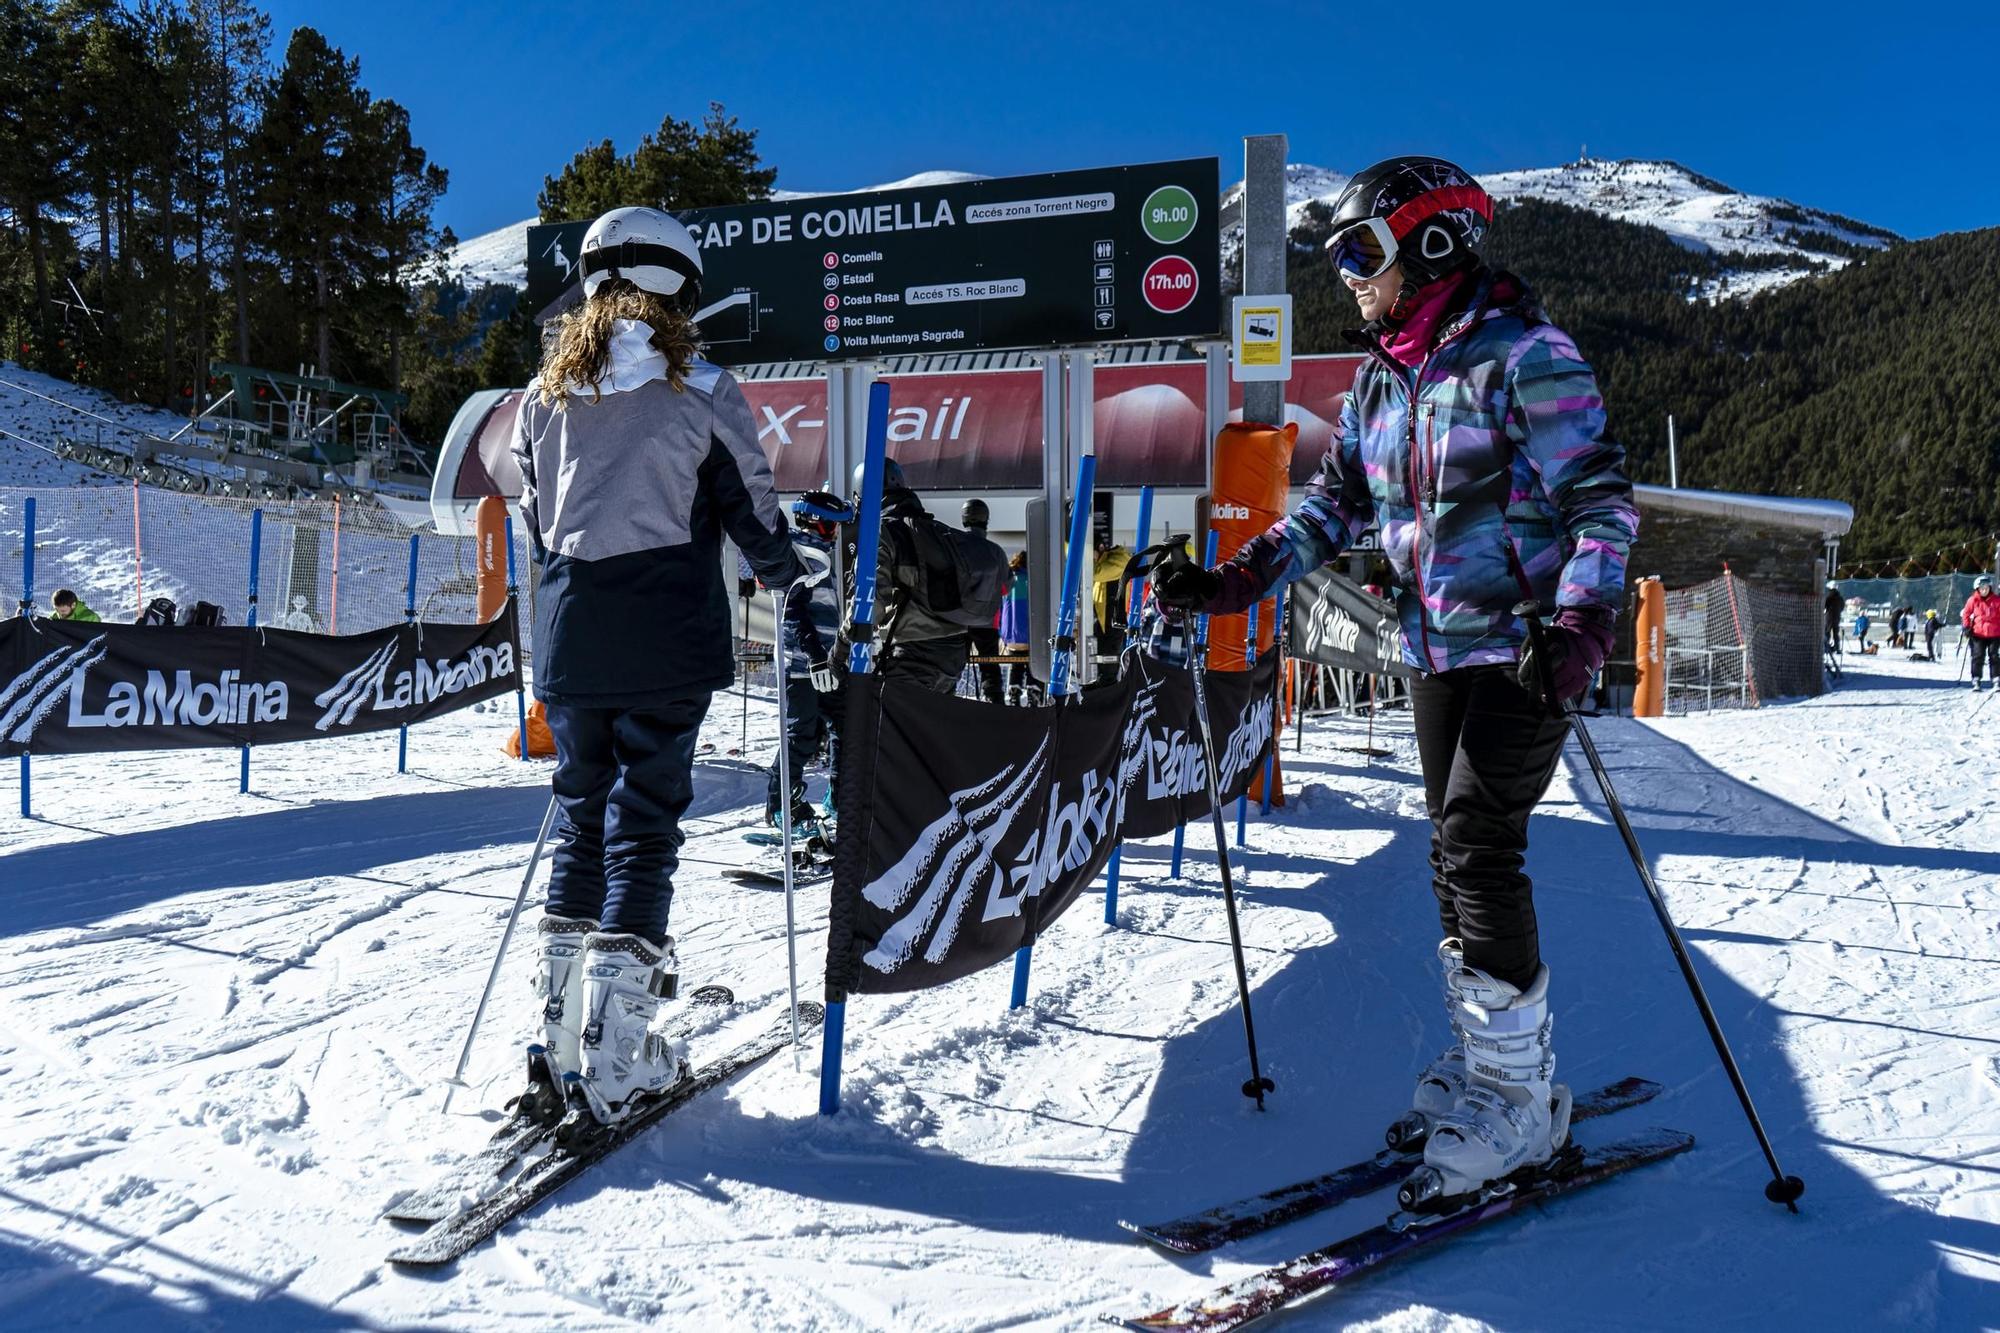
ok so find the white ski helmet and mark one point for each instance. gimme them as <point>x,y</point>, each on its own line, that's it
<point>647,248</point>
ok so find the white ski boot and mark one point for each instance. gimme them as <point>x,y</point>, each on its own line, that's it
<point>559,986</point>
<point>1443,1082</point>
<point>626,984</point>
<point>1511,1118</point>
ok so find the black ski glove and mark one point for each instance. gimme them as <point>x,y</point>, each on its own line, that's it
<point>1186,586</point>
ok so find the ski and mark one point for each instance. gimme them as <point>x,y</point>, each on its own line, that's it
<point>579,1144</point>
<point>1197,1233</point>
<point>1285,1285</point>
<point>478,1174</point>
<point>803,877</point>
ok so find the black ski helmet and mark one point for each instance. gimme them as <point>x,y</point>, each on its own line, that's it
<point>892,477</point>
<point>1436,211</point>
<point>974,515</point>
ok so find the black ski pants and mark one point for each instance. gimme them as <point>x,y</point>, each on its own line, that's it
<point>807,720</point>
<point>986,643</point>
<point>935,664</point>
<point>1985,652</point>
<point>624,777</point>
<point>1489,750</point>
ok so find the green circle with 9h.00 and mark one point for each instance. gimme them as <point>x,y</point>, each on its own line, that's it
<point>1169,214</point>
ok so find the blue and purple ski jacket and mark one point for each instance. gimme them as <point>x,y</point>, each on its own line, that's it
<point>1485,470</point>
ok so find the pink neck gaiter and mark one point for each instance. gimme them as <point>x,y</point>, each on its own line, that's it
<point>1410,341</point>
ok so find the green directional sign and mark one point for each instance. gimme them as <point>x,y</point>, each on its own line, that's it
<point>1114,254</point>
<point>1169,214</point>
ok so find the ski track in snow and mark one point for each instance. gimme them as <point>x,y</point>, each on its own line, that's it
<point>226,1020</point>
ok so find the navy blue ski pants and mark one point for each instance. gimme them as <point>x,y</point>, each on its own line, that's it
<point>624,777</point>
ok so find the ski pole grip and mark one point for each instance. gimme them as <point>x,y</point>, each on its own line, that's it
<point>1538,644</point>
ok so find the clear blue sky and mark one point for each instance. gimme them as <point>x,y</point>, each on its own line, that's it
<point>1881,112</point>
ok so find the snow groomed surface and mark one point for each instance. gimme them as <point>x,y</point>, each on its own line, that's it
<point>224,1022</point>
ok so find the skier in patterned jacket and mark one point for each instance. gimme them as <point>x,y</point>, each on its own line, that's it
<point>1472,440</point>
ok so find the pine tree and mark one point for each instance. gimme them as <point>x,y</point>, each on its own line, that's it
<point>680,166</point>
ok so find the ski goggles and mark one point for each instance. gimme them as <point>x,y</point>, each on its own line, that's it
<point>1364,249</point>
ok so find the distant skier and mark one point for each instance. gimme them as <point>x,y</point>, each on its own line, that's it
<point>917,638</point>
<point>811,635</point>
<point>1861,624</point>
<point>1981,621</point>
<point>1473,437</point>
<point>68,606</point>
<point>984,639</point>
<point>1022,687</point>
<point>1931,627</point>
<point>635,457</point>
<point>1835,604</point>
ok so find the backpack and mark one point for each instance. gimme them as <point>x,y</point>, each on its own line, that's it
<point>206,614</point>
<point>160,611</point>
<point>965,576</point>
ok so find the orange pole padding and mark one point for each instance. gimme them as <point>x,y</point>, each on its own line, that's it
<point>138,557</point>
<point>541,741</point>
<point>333,605</point>
<point>1252,483</point>
<point>490,582</point>
<point>1649,696</point>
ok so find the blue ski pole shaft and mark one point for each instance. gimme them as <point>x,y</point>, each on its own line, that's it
<point>409,617</point>
<point>1062,662</point>
<point>27,609</point>
<point>1249,660</point>
<point>860,661</point>
<point>1277,693</point>
<point>1134,604</point>
<point>513,588</point>
<point>250,620</point>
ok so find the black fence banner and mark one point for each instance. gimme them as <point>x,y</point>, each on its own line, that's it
<point>1172,788</point>
<point>90,688</point>
<point>1335,623</point>
<point>967,828</point>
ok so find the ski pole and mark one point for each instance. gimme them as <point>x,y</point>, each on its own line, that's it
<point>1258,1085</point>
<point>785,819</point>
<point>1781,1188</point>
<point>457,1079</point>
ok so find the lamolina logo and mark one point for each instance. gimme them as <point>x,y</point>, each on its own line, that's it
<point>31,696</point>
<point>958,855</point>
<point>371,686</point>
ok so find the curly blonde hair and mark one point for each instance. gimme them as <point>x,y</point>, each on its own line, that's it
<point>577,347</point>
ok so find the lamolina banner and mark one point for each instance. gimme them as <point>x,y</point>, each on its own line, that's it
<point>968,827</point>
<point>1335,623</point>
<point>83,689</point>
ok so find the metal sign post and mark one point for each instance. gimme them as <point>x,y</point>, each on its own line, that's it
<point>1264,247</point>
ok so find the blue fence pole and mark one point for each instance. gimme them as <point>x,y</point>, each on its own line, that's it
<point>1199,635</point>
<point>860,661</point>
<point>409,618</point>
<point>513,590</point>
<point>1249,660</point>
<point>1062,664</point>
<point>250,619</point>
<point>1277,693</point>
<point>1135,600</point>
<point>27,609</point>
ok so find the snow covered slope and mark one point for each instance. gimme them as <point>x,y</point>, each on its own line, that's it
<point>37,411</point>
<point>225,1021</point>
